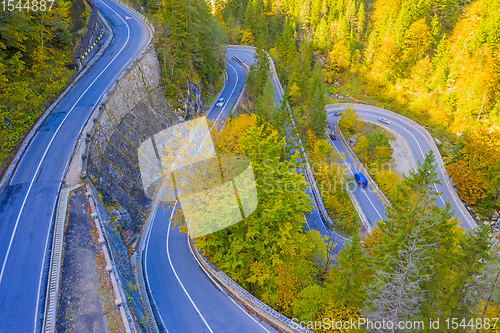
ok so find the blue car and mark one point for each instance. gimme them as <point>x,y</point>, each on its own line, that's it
<point>361,179</point>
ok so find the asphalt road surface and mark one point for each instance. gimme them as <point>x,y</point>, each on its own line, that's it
<point>186,299</point>
<point>27,204</point>
<point>419,146</point>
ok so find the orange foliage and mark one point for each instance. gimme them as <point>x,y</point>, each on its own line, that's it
<point>472,170</point>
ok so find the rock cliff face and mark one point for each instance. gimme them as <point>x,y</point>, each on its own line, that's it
<point>134,110</point>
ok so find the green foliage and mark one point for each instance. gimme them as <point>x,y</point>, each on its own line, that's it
<point>34,47</point>
<point>259,71</point>
<point>418,56</point>
<point>347,279</point>
<point>420,255</point>
<point>317,119</point>
<point>268,252</point>
<point>309,303</point>
<point>189,47</point>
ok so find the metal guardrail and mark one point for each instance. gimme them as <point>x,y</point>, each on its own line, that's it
<point>50,313</point>
<point>86,39</point>
<point>142,16</point>
<point>143,237</point>
<point>361,167</point>
<point>56,255</point>
<point>439,158</point>
<point>109,261</point>
<point>251,302</point>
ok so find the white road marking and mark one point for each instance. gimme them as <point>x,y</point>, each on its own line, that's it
<point>43,158</point>
<point>232,300</point>
<point>420,148</point>
<point>169,227</point>
<point>352,173</point>
<point>175,273</point>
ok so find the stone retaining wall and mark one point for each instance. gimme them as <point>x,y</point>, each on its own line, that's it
<point>134,110</point>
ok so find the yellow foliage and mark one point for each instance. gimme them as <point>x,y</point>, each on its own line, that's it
<point>294,93</point>
<point>361,148</point>
<point>247,37</point>
<point>387,181</point>
<point>338,59</point>
<point>337,314</point>
<point>372,240</point>
<point>228,138</point>
<point>318,148</point>
<point>349,122</point>
<point>288,287</point>
<point>472,170</point>
<point>493,311</point>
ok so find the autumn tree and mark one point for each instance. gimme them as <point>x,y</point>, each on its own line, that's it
<point>474,168</point>
<point>35,46</point>
<point>268,250</point>
<point>361,148</point>
<point>349,122</point>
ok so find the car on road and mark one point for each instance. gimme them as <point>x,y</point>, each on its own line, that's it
<point>385,121</point>
<point>220,102</point>
<point>327,125</point>
<point>361,179</point>
<point>332,136</point>
<point>338,113</point>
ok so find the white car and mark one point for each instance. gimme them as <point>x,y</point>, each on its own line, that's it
<point>220,102</point>
<point>384,120</point>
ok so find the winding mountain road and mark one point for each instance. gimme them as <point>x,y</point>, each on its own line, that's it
<point>186,299</point>
<point>419,145</point>
<point>27,203</point>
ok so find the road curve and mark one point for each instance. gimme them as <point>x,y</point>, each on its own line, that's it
<point>27,204</point>
<point>186,299</point>
<point>418,143</point>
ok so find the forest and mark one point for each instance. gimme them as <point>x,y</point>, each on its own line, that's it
<point>189,43</point>
<point>434,61</point>
<point>35,46</point>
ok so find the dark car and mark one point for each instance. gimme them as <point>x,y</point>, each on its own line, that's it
<point>332,136</point>
<point>361,179</point>
<point>220,102</point>
<point>327,125</point>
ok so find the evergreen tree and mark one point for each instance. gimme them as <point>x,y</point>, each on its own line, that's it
<point>317,120</point>
<point>412,236</point>
<point>259,70</point>
<point>349,276</point>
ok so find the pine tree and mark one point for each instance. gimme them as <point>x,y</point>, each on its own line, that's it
<point>317,120</point>
<point>412,236</point>
<point>349,275</point>
<point>259,70</point>
<point>360,24</point>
